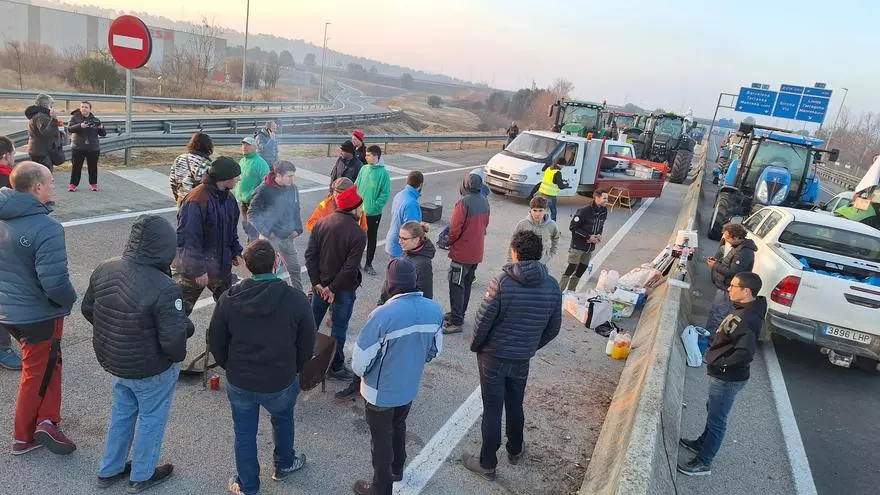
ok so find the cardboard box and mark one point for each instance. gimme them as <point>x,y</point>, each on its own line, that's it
<point>573,306</point>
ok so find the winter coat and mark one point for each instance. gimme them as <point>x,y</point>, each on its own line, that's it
<point>512,132</point>
<point>325,208</point>
<point>736,339</point>
<point>470,219</point>
<point>374,185</point>
<point>740,258</point>
<point>262,333</point>
<point>521,313</point>
<point>588,220</point>
<point>343,168</point>
<point>333,257</point>
<point>274,209</point>
<point>43,133</point>
<point>188,171</point>
<point>253,169</point>
<point>421,257</point>
<point>546,230</point>
<point>207,233</point>
<point>135,308</point>
<point>361,154</point>
<point>5,172</point>
<point>84,132</point>
<point>34,281</point>
<point>267,146</point>
<point>404,208</point>
<point>393,346</point>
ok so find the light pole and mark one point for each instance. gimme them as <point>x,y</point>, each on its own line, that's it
<point>845,92</point>
<point>247,18</point>
<point>323,59</point>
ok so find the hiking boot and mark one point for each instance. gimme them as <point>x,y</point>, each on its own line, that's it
<point>160,475</point>
<point>342,373</point>
<point>299,460</point>
<point>472,464</point>
<point>694,468</point>
<point>352,388</point>
<point>362,487</point>
<point>108,481</point>
<point>451,328</point>
<point>692,445</point>
<point>19,448</point>
<point>9,359</point>
<point>71,188</point>
<point>50,436</point>
<point>369,269</point>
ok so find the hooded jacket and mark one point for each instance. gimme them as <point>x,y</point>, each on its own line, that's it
<point>262,333</point>
<point>85,138</point>
<point>421,257</point>
<point>43,133</point>
<point>34,281</point>
<point>470,219</point>
<point>740,258</point>
<point>140,327</point>
<point>253,169</point>
<point>334,254</point>
<point>588,220</point>
<point>545,229</point>
<point>267,146</point>
<point>404,208</point>
<point>345,168</point>
<point>325,208</point>
<point>374,185</point>
<point>207,232</point>
<point>275,209</point>
<point>521,313</point>
<point>735,341</point>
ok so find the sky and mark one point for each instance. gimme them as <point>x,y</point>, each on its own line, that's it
<point>674,54</point>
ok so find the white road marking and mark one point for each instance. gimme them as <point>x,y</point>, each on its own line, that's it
<point>794,445</point>
<point>432,160</point>
<point>145,177</point>
<point>420,470</point>
<point>313,177</point>
<point>128,42</point>
<point>402,171</point>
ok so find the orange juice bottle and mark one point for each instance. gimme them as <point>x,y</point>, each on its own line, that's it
<point>621,347</point>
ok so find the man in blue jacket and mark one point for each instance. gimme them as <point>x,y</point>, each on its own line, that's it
<point>404,208</point>
<point>521,313</point>
<point>398,339</point>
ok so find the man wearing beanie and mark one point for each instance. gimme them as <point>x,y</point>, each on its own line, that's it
<point>207,234</point>
<point>333,262</point>
<point>397,340</point>
<point>357,139</point>
<point>347,165</point>
<point>328,205</point>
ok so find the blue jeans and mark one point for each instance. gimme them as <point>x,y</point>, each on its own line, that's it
<point>721,397</point>
<point>343,306</point>
<point>551,202</point>
<point>721,307</point>
<point>146,401</point>
<point>245,420</point>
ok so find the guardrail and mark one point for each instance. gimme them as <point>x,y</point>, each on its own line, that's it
<point>836,177</point>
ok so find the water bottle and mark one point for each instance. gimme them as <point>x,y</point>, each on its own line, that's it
<point>589,271</point>
<point>610,344</point>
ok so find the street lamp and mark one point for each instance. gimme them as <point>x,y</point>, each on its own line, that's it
<point>323,58</point>
<point>247,18</point>
<point>845,92</point>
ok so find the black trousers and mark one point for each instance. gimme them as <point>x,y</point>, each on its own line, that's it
<point>388,438</point>
<point>77,159</point>
<point>503,387</point>
<point>461,278</point>
<point>372,234</point>
<point>190,290</point>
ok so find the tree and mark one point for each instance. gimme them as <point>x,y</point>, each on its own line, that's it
<point>254,72</point>
<point>200,54</point>
<point>373,70</point>
<point>496,101</point>
<point>749,120</point>
<point>12,58</point>
<point>406,81</point>
<point>520,102</point>
<point>630,108</point>
<point>271,71</point>
<point>356,71</point>
<point>286,59</point>
<point>309,60</point>
<point>561,88</point>
<point>95,74</point>
<point>435,101</point>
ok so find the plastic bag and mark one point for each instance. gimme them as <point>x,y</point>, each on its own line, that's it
<point>640,277</point>
<point>690,338</point>
<point>607,280</point>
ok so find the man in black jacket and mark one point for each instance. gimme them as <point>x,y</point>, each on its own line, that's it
<point>347,165</point>
<point>586,228</point>
<point>727,361</point>
<point>521,313</point>
<point>738,256</point>
<point>262,333</point>
<point>140,332</point>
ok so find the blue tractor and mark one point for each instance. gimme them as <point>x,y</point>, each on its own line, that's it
<point>774,167</point>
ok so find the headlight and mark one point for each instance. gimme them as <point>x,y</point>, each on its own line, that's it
<point>518,177</point>
<point>780,195</point>
<point>761,193</point>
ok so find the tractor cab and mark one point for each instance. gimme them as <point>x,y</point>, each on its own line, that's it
<point>578,118</point>
<point>666,138</point>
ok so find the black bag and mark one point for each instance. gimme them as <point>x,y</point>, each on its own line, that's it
<point>56,155</point>
<point>606,328</point>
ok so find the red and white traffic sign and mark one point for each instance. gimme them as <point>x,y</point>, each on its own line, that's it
<point>130,42</point>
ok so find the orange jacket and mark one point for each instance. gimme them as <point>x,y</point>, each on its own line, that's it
<point>326,207</point>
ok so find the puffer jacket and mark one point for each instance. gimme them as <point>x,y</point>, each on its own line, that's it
<point>207,233</point>
<point>421,257</point>
<point>588,220</point>
<point>34,281</point>
<point>521,313</point>
<point>140,327</point>
<point>736,339</point>
<point>470,219</point>
<point>546,229</point>
<point>85,138</point>
<point>740,258</point>
<point>43,133</point>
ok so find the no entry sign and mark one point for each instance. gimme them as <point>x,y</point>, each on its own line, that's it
<point>130,42</point>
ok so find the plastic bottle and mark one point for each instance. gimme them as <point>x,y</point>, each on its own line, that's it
<point>611,338</point>
<point>620,349</point>
<point>589,270</point>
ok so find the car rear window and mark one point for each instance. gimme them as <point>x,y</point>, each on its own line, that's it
<point>832,240</point>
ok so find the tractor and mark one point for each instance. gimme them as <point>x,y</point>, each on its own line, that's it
<point>773,167</point>
<point>578,118</point>
<point>666,138</point>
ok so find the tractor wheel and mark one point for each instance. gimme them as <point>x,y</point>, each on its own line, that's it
<point>680,166</point>
<point>724,209</point>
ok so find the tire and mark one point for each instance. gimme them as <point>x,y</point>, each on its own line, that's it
<point>680,166</point>
<point>724,209</point>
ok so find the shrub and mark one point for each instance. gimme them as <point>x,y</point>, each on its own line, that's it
<point>435,101</point>
<point>94,73</point>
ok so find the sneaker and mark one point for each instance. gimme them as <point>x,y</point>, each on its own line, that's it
<point>352,388</point>
<point>19,448</point>
<point>342,373</point>
<point>362,487</point>
<point>49,435</point>
<point>447,316</point>
<point>160,475</point>
<point>93,187</point>
<point>450,328</point>
<point>71,188</point>
<point>369,269</point>
<point>235,488</point>
<point>514,458</point>
<point>691,445</point>
<point>299,460</point>
<point>9,359</point>
<point>108,481</point>
<point>472,464</point>
<point>694,468</point>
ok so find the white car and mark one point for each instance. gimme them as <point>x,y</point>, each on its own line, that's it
<point>836,202</point>
<point>821,277</point>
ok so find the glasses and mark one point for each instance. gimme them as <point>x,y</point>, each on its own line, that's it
<point>736,286</point>
<point>402,238</point>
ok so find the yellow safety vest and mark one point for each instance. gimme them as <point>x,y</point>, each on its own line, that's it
<point>548,188</point>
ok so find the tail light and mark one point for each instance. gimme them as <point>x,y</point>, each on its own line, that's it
<point>785,290</point>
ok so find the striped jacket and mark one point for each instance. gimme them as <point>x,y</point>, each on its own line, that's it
<point>398,339</point>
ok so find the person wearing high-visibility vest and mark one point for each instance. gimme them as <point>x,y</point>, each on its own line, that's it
<point>551,183</point>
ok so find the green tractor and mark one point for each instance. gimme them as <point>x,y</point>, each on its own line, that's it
<point>666,138</point>
<point>578,118</point>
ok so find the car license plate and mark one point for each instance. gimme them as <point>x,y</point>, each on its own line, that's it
<point>847,334</point>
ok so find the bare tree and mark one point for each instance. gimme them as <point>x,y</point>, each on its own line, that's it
<point>271,71</point>
<point>201,50</point>
<point>561,88</point>
<point>11,58</point>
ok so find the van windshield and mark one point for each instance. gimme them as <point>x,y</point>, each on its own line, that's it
<point>533,147</point>
<point>832,240</point>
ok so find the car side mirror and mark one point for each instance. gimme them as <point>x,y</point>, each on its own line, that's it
<point>834,155</point>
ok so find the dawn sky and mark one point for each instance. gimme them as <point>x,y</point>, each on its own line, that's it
<point>672,54</point>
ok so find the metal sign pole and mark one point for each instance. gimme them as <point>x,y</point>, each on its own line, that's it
<point>128,84</point>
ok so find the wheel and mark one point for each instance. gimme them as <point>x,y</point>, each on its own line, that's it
<point>724,209</point>
<point>680,166</point>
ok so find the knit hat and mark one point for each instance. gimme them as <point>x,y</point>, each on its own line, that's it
<point>347,146</point>
<point>341,184</point>
<point>349,199</point>
<point>400,276</point>
<point>358,134</point>
<point>224,168</point>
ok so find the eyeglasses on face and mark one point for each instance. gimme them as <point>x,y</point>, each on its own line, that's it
<point>402,238</point>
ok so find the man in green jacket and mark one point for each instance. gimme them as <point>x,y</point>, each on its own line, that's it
<point>374,185</point>
<point>253,169</point>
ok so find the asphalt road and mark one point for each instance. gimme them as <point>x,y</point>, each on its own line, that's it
<point>569,390</point>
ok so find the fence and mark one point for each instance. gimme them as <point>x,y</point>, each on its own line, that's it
<point>836,177</point>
